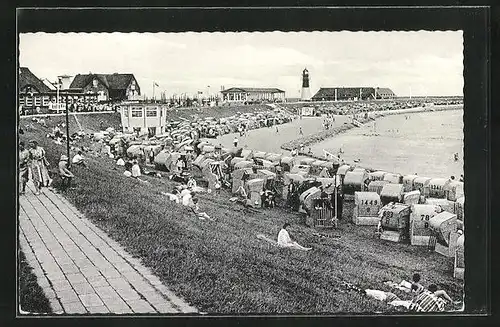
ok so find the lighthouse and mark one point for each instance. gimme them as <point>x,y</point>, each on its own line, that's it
<point>305,95</point>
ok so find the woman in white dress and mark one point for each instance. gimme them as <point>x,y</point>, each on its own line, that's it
<point>284,240</point>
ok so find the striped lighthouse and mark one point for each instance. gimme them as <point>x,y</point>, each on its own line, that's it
<point>305,95</point>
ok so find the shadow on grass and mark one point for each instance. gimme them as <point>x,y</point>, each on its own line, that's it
<point>32,299</point>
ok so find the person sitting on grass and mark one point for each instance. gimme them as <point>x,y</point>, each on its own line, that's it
<point>191,183</point>
<point>136,169</point>
<point>64,172</point>
<point>416,287</point>
<point>78,159</point>
<point>196,209</point>
<point>120,162</point>
<point>430,300</point>
<point>285,241</point>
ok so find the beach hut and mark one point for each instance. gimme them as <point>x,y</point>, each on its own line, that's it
<point>156,149</point>
<point>208,149</point>
<point>446,205</point>
<point>307,197</point>
<point>235,160</point>
<point>199,159</point>
<point>287,163</point>
<point>376,186</point>
<point>459,264</point>
<point>377,175</point>
<point>304,169</point>
<point>328,184</point>
<point>408,182</point>
<point>412,197</point>
<point>268,177</point>
<point>342,170</point>
<point>391,193</point>
<point>238,178</point>
<point>444,227</point>
<point>354,182</point>
<point>205,166</point>
<point>393,178</point>
<point>161,160</point>
<point>307,161</point>
<point>395,219</point>
<point>437,187</point>
<point>254,188</point>
<point>243,164</point>
<point>247,154</point>
<point>323,214</point>
<point>325,173</point>
<point>366,208</point>
<point>274,157</point>
<point>422,184</point>
<point>259,155</point>
<point>459,208</point>
<point>135,151</point>
<point>317,167</point>
<point>420,231</point>
<point>454,190</point>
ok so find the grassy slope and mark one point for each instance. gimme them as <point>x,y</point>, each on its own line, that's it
<point>31,296</point>
<point>222,267</point>
<point>216,112</point>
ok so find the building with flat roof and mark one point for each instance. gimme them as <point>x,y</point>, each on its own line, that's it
<point>143,118</point>
<point>253,94</point>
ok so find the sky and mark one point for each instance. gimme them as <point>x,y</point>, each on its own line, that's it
<point>418,63</point>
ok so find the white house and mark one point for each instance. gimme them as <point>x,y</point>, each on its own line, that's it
<point>143,118</point>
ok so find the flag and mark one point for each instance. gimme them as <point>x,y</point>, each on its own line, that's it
<point>200,92</point>
<point>156,84</point>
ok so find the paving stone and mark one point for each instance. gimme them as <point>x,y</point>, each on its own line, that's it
<point>133,276</point>
<point>49,292</point>
<point>99,309</point>
<point>90,300</point>
<point>141,306</point>
<point>117,306</point>
<point>74,307</point>
<point>67,296</point>
<point>69,268</point>
<point>90,272</point>
<point>110,273</point>
<point>97,281</point>
<point>143,287</point>
<point>43,281</point>
<point>106,292</point>
<point>55,305</point>
<point>118,282</point>
<point>128,294</point>
<point>83,288</point>
<point>154,297</point>
<point>61,285</point>
<point>76,278</point>
<point>165,307</point>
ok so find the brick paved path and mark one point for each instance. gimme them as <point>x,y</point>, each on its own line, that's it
<point>80,268</point>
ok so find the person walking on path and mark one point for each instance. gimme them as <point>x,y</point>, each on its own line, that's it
<point>300,131</point>
<point>65,173</point>
<point>24,158</point>
<point>235,142</point>
<point>39,166</point>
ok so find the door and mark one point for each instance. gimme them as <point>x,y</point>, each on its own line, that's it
<point>151,131</point>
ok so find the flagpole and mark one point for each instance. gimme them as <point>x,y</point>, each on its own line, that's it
<point>153,91</point>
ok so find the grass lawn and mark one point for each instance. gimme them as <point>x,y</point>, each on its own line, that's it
<point>31,296</point>
<point>221,266</point>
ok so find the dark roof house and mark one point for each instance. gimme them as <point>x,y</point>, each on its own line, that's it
<point>343,93</point>
<point>384,92</point>
<point>28,82</point>
<point>116,84</point>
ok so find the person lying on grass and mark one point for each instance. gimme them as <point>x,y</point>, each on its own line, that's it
<point>430,300</point>
<point>284,240</point>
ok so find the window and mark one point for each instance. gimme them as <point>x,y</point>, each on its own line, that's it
<point>38,101</point>
<point>151,112</point>
<point>29,101</point>
<point>45,100</point>
<point>137,112</point>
